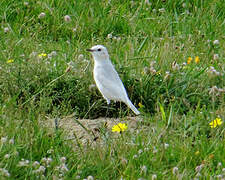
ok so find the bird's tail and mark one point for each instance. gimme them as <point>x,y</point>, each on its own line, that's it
<point>132,107</point>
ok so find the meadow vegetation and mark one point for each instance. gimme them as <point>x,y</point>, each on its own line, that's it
<point>170,57</point>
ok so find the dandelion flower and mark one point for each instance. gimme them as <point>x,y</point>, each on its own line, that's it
<point>216,122</point>
<point>119,127</point>
<point>42,55</point>
<point>10,61</point>
<point>189,60</point>
<point>140,105</point>
<point>197,60</point>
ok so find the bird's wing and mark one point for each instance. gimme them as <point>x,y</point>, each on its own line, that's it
<point>109,83</point>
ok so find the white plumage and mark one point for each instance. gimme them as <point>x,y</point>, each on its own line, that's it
<point>107,79</point>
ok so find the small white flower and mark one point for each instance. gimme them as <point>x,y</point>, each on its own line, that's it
<point>35,164</point>
<point>4,139</point>
<point>216,42</point>
<point>155,150</point>
<point>67,18</point>
<point>148,3</point>
<point>63,159</point>
<point>7,156</point>
<point>166,145</point>
<point>216,56</point>
<point>23,163</point>
<point>26,3</point>
<point>162,10</point>
<point>152,63</point>
<point>74,30</point>
<point>198,174</point>
<point>198,168</point>
<point>64,168</point>
<point>11,141</point>
<point>109,36</point>
<point>175,170</point>
<point>77,177</point>
<point>81,57</point>
<point>6,29</point>
<point>90,178</point>
<point>42,169</point>
<point>41,15</point>
<point>154,177</point>
<point>144,169</point>
<point>135,156</point>
<point>219,164</point>
<point>140,151</point>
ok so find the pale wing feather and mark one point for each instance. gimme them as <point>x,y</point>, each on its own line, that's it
<point>109,83</point>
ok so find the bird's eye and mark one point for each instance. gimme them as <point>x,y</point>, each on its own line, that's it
<point>99,49</point>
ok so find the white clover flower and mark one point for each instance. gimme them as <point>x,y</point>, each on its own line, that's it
<point>67,18</point>
<point>216,42</point>
<point>135,156</point>
<point>41,15</point>
<point>140,151</point>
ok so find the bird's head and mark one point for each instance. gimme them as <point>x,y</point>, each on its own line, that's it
<point>99,53</point>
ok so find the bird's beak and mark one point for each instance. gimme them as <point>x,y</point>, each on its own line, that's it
<point>90,50</point>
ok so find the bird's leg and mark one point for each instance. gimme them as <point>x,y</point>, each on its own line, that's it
<point>107,111</point>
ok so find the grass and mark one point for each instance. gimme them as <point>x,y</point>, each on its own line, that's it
<point>173,140</point>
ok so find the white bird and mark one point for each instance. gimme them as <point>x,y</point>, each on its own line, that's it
<point>107,79</point>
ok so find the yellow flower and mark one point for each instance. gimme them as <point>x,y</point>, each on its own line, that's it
<point>189,60</point>
<point>119,127</point>
<point>42,55</point>
<point>216,122</point>
<point>197,153</point>
<point>10,61</point>
<point>140,105</point>
<point>197,60</point>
